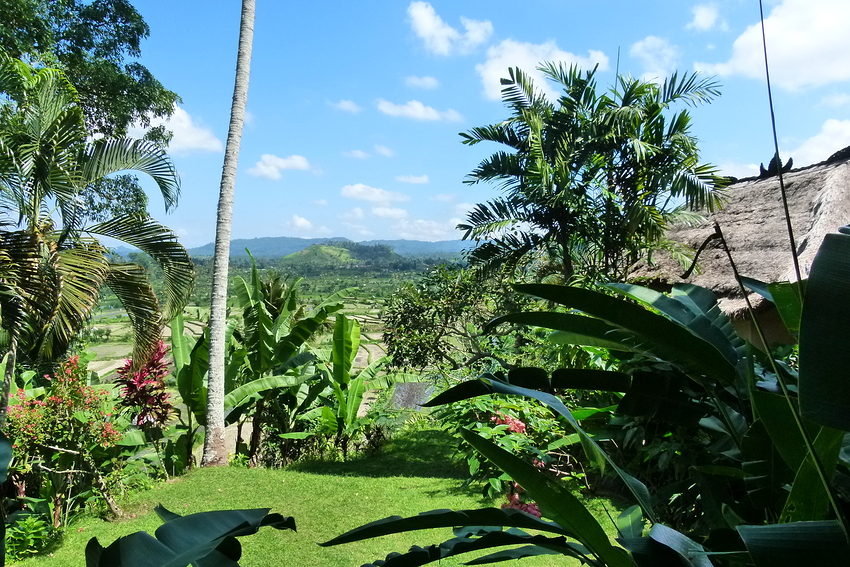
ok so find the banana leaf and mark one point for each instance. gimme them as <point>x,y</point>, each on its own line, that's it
<point>206,539</point>
<point>824,356</point>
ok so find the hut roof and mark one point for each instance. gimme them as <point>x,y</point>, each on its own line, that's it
<point>753,223</point>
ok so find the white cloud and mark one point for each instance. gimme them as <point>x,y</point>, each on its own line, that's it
<point>444,197</point>
<point>706,16</point>
<point>389,213</point>
<point>418,111</point>
<point>383,151</point>
<point>657,55</point>
<point>462,209</point>
<point>372,194</point>
<point>187,136</point>
<point>441,38</point>
<point>250,119</point>
<point>347,106</point>
<point>270,165</point>
<point>834,135</point>
<point>299,223</point>
<point>356,154</point>
<point>836,100</point>
<point>321,202</point>
<point>739,170</point>
<point>807,42</point>
<point>422,82</point>
<point>414,179</point>
<point>420,229</point>
<point>527,56</point>
<point>354,214</point>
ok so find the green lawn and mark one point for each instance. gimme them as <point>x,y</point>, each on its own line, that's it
<point>412,476</point>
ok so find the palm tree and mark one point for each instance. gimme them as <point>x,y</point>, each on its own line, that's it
<point>215,451</point>
<point>589,181</point>
<point>52,264</point>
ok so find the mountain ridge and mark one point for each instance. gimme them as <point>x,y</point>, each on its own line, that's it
<point>279,246</point>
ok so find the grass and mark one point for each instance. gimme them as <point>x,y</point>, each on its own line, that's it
<point>414,474</point>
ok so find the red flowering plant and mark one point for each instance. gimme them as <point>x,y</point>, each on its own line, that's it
<point>515,424</point>
<point>143,391</point>
<point>61,439</point>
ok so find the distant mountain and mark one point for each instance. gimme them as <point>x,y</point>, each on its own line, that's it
<point>278,246</point>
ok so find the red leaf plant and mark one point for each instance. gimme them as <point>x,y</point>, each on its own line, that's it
<point>144,390</point>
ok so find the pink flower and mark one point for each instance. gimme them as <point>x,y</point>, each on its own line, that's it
<point>514,425</point>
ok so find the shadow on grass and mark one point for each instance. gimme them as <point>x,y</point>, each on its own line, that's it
<point>428,453</point>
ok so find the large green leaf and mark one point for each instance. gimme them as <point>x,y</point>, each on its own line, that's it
<point>346,342</point>
<point>554,499</point>
<point>574,329</point>
<point>5,456</point>
<point>656,334</point>
<point>458,545</point>
<point>800,543</point>
<point>180,343</point>
<point>503,517</point>
<point>262,385</point>
<point>776,416</point>
<point>206,539</point>
<point>824,356</point>
<point>809,499</point>
<point>516,553</point>
<point>766,473</point>
<point>190,380</point>
<point>301,333</point>
<point>259,337</point>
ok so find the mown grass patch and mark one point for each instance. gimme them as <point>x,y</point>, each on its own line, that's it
<point>413,475</point>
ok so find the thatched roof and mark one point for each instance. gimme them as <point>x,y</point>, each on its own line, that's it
<point>753,223</point>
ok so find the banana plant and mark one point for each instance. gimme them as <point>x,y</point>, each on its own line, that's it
<point>268,364</point>
<point>205,539</point>
<point>191,363</point>
<point>340,410</point>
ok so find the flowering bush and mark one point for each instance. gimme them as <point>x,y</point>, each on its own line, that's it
<point>517,425</point>
<point>143,391</point>
<point>70,414</point>
<point>515,500</point>
<point>61,439</point>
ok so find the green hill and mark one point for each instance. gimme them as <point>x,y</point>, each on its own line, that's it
<point>320,254</point>
<point>342,253</point>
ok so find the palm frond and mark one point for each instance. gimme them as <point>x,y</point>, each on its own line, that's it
<point>130,284</point>
<point>161,244</point>
<point>107,156</point>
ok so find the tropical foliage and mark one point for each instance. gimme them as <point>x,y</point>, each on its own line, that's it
<point>53,265</point>
<point>759,434</point>
<point>592,180</point>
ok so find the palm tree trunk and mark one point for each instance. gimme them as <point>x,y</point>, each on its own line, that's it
<point>215,451</point>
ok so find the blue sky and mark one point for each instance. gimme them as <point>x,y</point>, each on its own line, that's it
<point>355,108</point>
